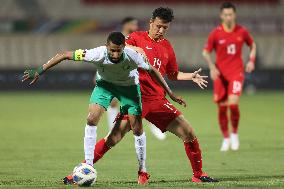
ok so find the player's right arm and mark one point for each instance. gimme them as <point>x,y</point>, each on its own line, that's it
<point>79,55</point>
<point>33,74</point>
<point>210,45</point>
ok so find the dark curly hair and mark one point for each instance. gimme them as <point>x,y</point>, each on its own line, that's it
<point>164,13</point>
<point>116,38</point>
<point>228,5</point>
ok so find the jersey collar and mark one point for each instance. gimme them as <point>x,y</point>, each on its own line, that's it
<point>223,28</point>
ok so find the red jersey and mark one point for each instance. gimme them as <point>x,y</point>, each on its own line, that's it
<point>228,48</point>
<point>161,55</point>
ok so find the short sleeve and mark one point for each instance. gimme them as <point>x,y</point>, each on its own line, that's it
<point>172,65</point>
<point>130,39</point>
<point>142,62</point>
<point>88,55</point>
<point>210,44</point>
<point>248,38</point>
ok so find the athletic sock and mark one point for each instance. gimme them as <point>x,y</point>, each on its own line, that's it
<point>100,149</point>
<point>193,153</point>
<point>111,115</point>
<point>235,117</point>
<point>140,147</point>
<point>89,143</point>
<point>223,120</point>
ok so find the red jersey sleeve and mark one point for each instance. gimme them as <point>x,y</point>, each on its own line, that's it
<point>248,38</point>
<point>172,66</point>
<point>210,44</point>
<point>131,39</point>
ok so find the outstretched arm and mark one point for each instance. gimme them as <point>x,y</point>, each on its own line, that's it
<point>195,77</point>
<point>33,74</point>
<point>156,74</point>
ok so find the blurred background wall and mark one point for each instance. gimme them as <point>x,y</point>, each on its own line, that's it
<point>32,31</point>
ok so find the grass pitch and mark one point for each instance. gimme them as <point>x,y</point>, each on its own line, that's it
<point>41,137</point>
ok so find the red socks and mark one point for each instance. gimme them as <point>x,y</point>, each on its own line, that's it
<point>223,120</point>
<point>100,149</point>
<point>193,153</point>
<point>235,117</point>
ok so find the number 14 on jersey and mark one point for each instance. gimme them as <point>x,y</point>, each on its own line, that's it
<point>157,63</point>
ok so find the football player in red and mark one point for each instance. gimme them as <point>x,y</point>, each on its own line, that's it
<point>155,107</point>
<point>227,41</point>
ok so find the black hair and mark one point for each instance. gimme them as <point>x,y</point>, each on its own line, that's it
<point>228,5</point>
<point>127,20</point>
<point>164,13</point>
<point>116,38</point>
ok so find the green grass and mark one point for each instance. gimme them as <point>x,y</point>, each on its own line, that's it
<point>41,136</point>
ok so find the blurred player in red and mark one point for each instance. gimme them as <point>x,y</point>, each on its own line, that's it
<point>129,25</point>
<point>227,40</point>
<point>155,107</point>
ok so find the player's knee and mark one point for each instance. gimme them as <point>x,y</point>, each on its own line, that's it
<point>92,119</point>
<point>136,125</point>
<point>233,101</point>
<point>188,134</point>
<point>114,103</point>
<point>137,131</point>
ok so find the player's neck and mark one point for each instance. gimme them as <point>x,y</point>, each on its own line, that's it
<point>229,27</point>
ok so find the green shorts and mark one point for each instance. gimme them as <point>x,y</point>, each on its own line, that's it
<point>128,96</point>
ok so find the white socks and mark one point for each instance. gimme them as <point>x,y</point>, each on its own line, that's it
<point>89,143</point>
<point>111,115</point>
<point>140,147</point>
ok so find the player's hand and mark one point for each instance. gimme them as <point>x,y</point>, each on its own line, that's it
<point>250,67</point>
<point>177,99</point>
<point>214,73</point>
<point>32,74</point>
<point>199,79</point>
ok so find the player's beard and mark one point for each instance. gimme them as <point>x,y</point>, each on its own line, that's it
<point>114,60</point>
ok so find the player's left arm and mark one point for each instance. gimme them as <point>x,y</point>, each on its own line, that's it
<point>195,77</point>
<point>137,49</point>
<point>251,63</point>
<point>174,74</point>
<point>250,42</point>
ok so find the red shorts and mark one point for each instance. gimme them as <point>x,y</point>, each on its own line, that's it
<point>224,87</point>
<point>159,112</point>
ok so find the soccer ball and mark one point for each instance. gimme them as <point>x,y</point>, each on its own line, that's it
<point>84,175</point>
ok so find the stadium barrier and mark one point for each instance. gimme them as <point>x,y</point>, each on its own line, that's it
<point>268,79</point>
